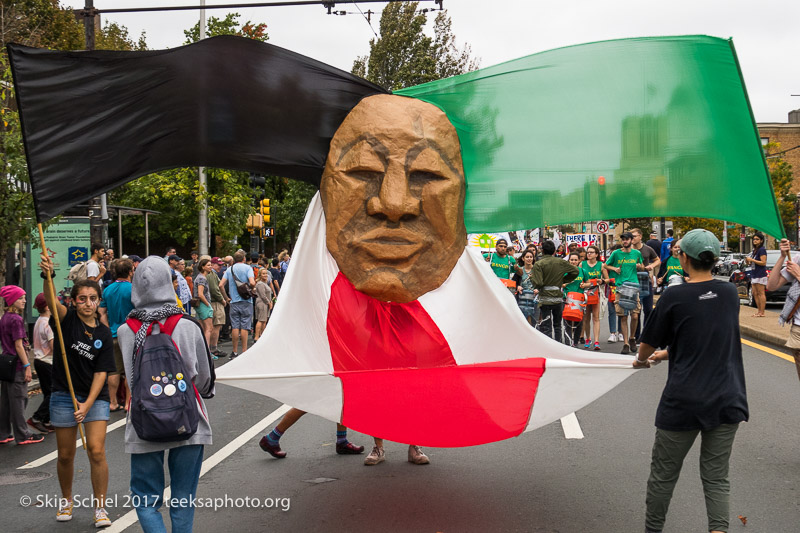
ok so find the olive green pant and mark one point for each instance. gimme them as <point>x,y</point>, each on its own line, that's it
<point>669,450</point>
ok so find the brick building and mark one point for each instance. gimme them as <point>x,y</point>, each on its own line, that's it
<point>788,135</point>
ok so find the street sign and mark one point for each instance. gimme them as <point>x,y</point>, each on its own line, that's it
<point>741,236</point>
<point>602,227</point>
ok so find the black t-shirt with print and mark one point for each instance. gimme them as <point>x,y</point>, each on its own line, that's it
<point>86,354</point>
<point>699,322</point>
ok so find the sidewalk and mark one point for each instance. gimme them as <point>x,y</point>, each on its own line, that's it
<point>765,329</point>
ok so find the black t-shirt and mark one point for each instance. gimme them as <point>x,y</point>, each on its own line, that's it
<point>705,386</point>
<point>655,244</point>
<point>86,355</point>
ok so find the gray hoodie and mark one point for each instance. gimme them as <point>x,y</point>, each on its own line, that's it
<point>152,288</point>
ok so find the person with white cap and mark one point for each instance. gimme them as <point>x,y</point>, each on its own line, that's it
<point>697,324</point>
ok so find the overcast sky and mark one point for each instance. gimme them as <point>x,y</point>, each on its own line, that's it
<point>765,32</point>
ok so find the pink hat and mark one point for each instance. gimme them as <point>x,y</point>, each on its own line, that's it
<point>11,293</point>
<point>40,303</point>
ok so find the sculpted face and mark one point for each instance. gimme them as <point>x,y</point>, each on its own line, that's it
<point>393,194</point>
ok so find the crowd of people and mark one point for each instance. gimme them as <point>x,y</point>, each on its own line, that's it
<point>695,327</point>
<point>100,348</point>
<point>107,318</point>
<point>563,291</point>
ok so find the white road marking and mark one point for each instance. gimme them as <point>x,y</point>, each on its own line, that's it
<point>130,518</point>
<point>571,426</point>
<point>54,455</point>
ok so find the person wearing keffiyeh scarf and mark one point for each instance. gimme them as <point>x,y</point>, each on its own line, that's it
<point>154,301</point>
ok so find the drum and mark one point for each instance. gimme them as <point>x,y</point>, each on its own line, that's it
<point>573,307</point>
<point>644,284</point>
<point>675,280</point>
<point>593,293</point>
<point>626,295</point>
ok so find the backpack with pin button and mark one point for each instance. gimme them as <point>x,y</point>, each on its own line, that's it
<point>164,404</point>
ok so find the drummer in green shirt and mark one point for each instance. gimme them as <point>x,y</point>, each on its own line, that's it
<point>503,263</point>
<point>626,262</point>
<point>592,269</point>
<point>673,265</point>
<point>573,329</point>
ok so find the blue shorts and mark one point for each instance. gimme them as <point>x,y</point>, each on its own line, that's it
<point>241,315</point>
<point>203,311</point>
<point>62,412</point>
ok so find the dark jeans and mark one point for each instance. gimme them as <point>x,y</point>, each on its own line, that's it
<point>647,308</point>
<point>44,371</point>
<point>551,320</point>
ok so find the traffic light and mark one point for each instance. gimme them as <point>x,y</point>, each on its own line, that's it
<point>265,210</point>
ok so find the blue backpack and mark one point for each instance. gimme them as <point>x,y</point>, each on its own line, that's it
<point>164,403</point>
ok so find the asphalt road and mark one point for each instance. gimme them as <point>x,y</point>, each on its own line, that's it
<point>538,482</point>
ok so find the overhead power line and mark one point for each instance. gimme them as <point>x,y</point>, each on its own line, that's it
<point>329,5</point>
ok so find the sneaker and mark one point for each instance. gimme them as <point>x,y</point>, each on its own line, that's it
<point>620,337</point>
<point>50,427</point>
<point>416,456</point>
<point>626,349</point>
<point>377,455</point>
<point>588,344</point>
<point>233,355</point>
<point>38,426</point>
<point>612,338</point>
<point>273,449</point>
<point>219,353</point>
<point>101,518</point>
<point>597,347</point>
<point>33,439</point>
<point>348,448</point>
<point>632,343</point>
<point>64,513</point>
<point>6,441</point>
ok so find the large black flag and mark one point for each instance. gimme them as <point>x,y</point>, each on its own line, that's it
<point>93,121</point>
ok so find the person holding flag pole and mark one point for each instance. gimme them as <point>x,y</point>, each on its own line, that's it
<point>79,392</point>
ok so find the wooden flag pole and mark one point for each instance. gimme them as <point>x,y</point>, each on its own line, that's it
<point>51,289</point>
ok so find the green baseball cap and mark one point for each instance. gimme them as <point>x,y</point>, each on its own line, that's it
<point>698,241</point>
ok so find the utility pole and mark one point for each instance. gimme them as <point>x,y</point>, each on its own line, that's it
<point>202,220</point>
<point>98,211</point>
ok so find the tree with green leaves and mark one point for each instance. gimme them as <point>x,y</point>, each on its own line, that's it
<point>45,24</point>
<point>404,56</point>
<point>227,26</point>
<point>782,178</point>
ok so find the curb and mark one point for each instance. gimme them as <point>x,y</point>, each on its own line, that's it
<point>764,336</point>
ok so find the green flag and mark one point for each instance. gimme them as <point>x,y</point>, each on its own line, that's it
<point>630,128</point>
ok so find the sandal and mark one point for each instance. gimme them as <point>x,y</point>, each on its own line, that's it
<point>115,409</point>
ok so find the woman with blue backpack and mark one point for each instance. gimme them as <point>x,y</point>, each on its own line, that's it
<point>169,371</point>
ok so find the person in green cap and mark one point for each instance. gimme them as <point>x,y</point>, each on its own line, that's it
<point>697,325</point>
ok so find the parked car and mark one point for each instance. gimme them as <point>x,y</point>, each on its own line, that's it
<point>741,278</point>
